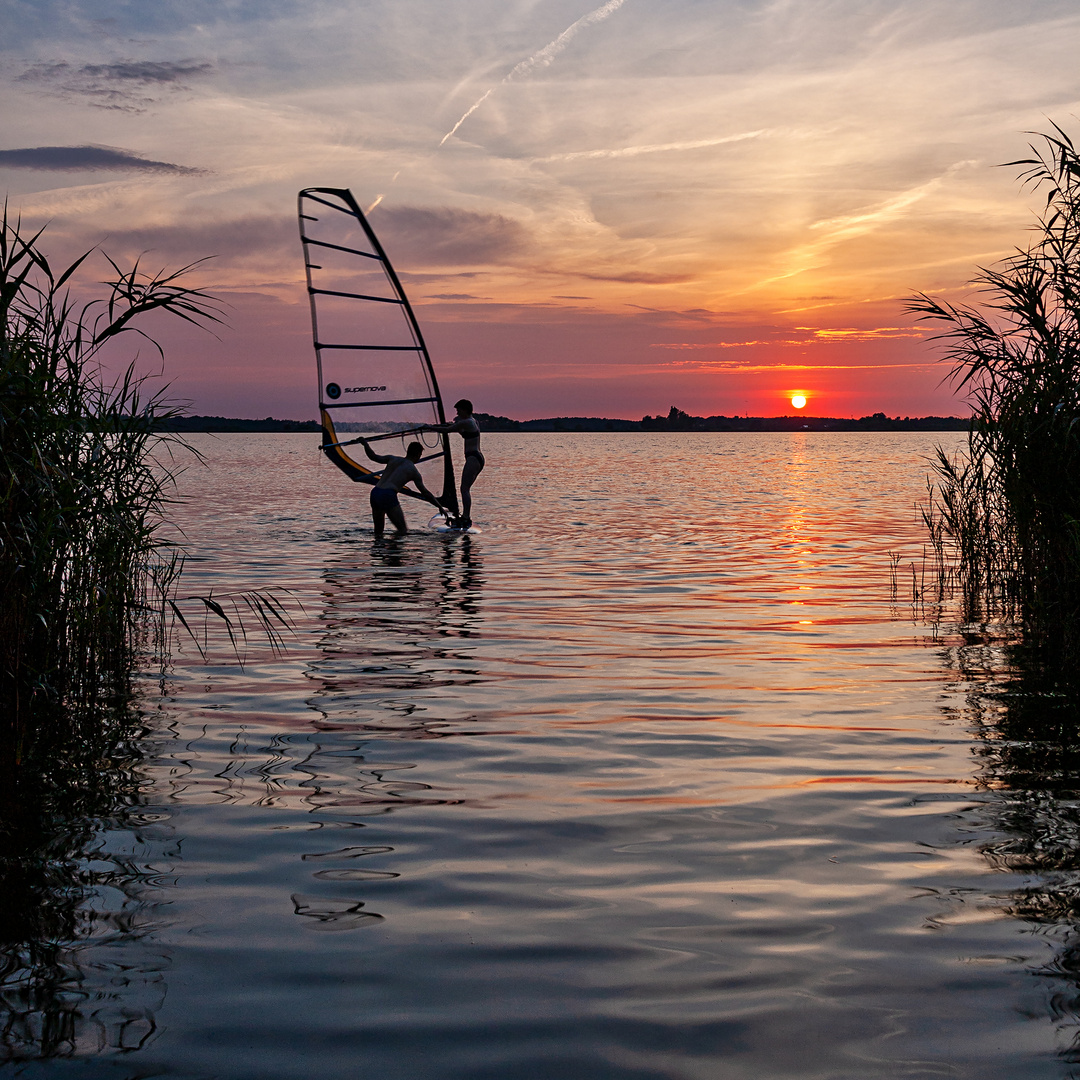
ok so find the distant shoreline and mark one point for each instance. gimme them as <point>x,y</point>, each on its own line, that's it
<point>674,421</point>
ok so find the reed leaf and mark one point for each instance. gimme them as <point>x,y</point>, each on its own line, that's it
<point>82,489</point>
<point>1004,517</point>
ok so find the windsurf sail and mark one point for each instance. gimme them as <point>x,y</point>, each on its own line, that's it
<point>375,375</point>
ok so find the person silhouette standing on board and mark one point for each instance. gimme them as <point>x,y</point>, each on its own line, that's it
<point>399,471</point>
<point>464,423</point>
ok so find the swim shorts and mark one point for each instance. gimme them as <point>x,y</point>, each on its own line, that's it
<point>383,499</point>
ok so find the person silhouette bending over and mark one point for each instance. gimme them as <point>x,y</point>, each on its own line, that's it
<point>399,471</point>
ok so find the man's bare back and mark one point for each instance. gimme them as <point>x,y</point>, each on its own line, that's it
<point>398,472</point>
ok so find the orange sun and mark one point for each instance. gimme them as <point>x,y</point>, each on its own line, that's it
<point>798,400</point>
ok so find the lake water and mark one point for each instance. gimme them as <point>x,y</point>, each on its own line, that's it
<point>662,776</point>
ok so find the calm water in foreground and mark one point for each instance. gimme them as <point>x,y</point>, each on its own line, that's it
<point>654,779</point>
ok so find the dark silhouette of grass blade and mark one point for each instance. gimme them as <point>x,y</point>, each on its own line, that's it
<point>83,490</point>
<point>1004,517</point>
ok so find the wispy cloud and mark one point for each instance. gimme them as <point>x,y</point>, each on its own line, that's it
<point>720,366</point>
<point>636,277</point>
<point>656,148</point>
<point>541,59</point>
<point>447,236</point>
<point>81,158</point>
<point>840,228</point>
<point>126,85</point>
<point>810,336</point>
<point>832,231</point>
<point>148,72</point>
<point>855,334</point>
<point>234,239</point>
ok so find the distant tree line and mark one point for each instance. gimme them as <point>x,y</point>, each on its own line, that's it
<point>676,420</point>
<point>225,423</point>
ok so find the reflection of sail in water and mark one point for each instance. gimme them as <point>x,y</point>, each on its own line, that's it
<point>1025,723</point>
<point>394,621</point>
<point>375,375</point>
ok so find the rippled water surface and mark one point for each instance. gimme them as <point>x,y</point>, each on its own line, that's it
<point>656,777</point>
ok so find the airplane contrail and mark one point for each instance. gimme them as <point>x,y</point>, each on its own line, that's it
<point>472,108</point>
<point>658,148</point>
<point>541,59</point>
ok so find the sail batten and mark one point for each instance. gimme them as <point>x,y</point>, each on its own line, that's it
<point>307,192</point>
<point>353,296</point>
<point>375,374</point>
<point>335,247</point>
<point>371,348</point>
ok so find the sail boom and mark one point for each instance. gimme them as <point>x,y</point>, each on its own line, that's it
<point>375,404</point>
<point>374,438</point>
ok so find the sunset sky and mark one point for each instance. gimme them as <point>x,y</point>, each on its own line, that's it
<point>596,209</point>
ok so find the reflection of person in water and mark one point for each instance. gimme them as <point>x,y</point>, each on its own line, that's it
<point>460,580</point>
<point>396,616</point>
<point>464,423</point>
<point>399,471</point>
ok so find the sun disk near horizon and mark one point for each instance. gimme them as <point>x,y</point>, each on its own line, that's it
<point>798,400</point>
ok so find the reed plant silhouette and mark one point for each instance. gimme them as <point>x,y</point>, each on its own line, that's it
<point>88,588</point>
<point>1025,822</point>
<point>76,877</point>
<point>82,563</point>
<point>1004,517</point>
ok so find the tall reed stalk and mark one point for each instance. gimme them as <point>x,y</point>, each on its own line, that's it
<point>81,495</point>
<point>1004,518</point>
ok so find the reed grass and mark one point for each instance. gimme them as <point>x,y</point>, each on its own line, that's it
<point>88,590</point>
<point>82,563</point>
<point>1004,517</point>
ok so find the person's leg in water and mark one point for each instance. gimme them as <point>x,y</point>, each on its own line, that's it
<point>397,518</point>
<point>378,515</point>
<point>384,504</point>
<point>473,467</point>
